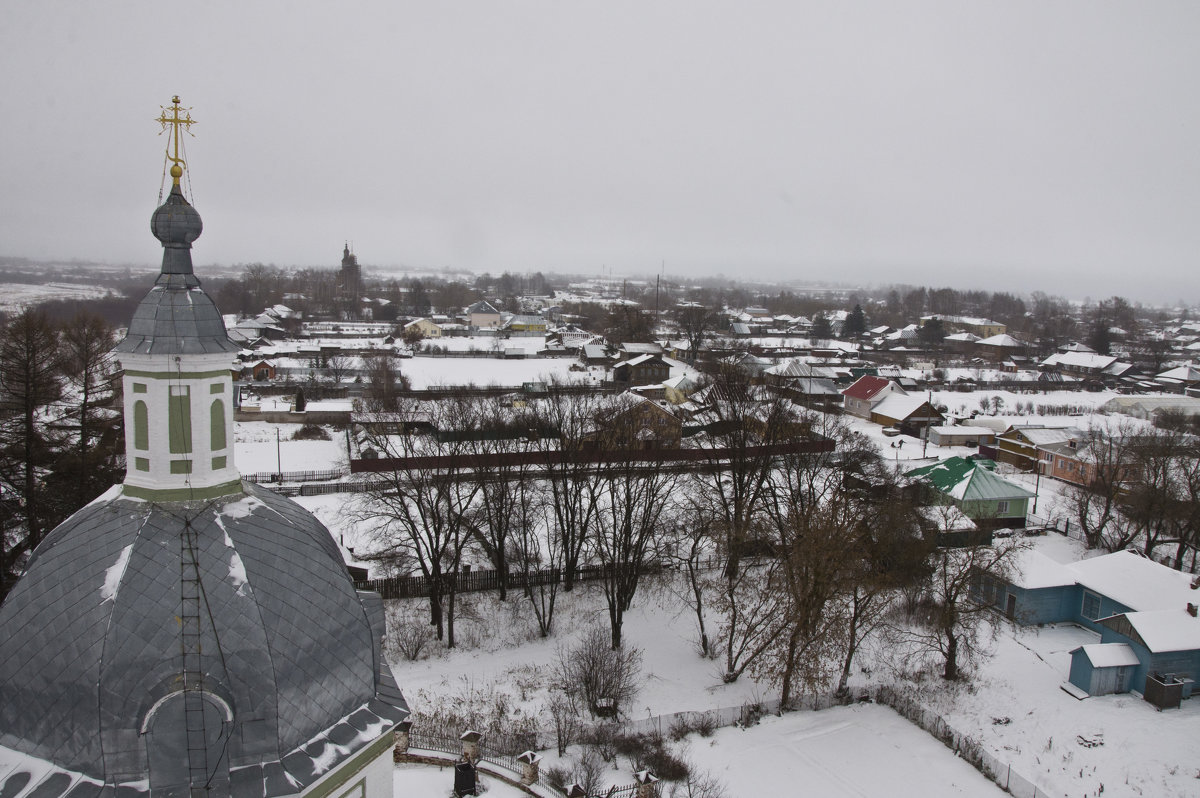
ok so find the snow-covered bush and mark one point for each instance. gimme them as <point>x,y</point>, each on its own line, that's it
<point>605,678</point>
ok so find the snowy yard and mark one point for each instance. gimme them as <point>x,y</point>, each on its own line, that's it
<point>861,750</point>
<point>255,449</point>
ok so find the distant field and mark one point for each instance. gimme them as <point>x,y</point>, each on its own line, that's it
<point>14,296</point>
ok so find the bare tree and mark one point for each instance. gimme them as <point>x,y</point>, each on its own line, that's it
<point>337,367</point>
<point>538,555</point>
<point>385,383</point>
<point>423,508</point>
<point>954,620</point>
<point>636,497</point>
<point>748,607</point>
<point>89,370</point>
<point>690,548</point>
<point>1106,459</point>
<point>570,473</point>
<point>696,323</point>
<point>508,498</point>
<point>30,368</point>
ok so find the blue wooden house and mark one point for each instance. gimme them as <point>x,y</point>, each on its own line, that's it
<point>1144,612</point>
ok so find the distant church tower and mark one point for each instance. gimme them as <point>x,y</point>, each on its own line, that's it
<point>189,634</point>
<point>350,284</point>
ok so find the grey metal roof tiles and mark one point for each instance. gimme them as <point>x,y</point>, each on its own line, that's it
<point>93,639</point>
<point>176,317</point>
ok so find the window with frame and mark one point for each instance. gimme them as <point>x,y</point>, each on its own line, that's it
<point>1091,605</point>
<point>1002,506</point>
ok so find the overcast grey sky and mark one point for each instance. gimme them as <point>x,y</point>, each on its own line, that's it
<point>1026,144</point>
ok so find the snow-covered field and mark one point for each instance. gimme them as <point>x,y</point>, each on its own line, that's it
<point>429,372</point>
<point>14,296</point>
<point>255,451</point>
<point>861,750</point>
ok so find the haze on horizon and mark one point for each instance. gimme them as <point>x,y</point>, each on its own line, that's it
<point>1017,146</point>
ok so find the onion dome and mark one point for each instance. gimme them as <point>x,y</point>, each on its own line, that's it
<point>104,642</point>
<point>176,317</point>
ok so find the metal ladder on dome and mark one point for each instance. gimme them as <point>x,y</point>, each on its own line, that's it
<point>193,668</point>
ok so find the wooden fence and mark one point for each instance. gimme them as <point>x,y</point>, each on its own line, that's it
<point>597,456</point>
<point>399,587</point>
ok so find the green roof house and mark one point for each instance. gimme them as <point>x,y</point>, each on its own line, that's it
<point>973,487</point>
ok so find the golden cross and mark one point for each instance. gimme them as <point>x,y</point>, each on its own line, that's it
<point>176,122</point>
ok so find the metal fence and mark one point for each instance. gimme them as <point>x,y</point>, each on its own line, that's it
<point>967,747</point>
<point>454,747</point>
<point>268,477</point>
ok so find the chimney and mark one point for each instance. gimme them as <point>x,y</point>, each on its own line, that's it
<point>1191,609</point>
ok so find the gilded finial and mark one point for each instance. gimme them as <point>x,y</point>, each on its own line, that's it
<point>176,121</point>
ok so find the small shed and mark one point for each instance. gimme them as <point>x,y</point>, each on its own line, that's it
<point>1103,668</point>
<point>960,435</point>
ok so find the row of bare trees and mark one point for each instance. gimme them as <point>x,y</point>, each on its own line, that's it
<point>1141,487</point>
<point>788,562</point>
<point>59,446</point>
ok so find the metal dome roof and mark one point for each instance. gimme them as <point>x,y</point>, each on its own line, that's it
<point>93,643</point>
<point>176,317</point>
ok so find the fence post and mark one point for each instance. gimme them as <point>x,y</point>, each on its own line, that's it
<point>470,740</point>
<point>403,736</point>
<point>645,782</point>
<point>529,767</point>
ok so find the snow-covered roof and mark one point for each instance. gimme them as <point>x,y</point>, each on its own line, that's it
<point>1083,360</point>
<point>1033,570</point>
<point>1166,630</point>
<point>1185,373</point>
<point>961,429</point>
<point>899,406</point>
<point>1003,340</point>
<point>1109,655</point>
<point>1138,583</point>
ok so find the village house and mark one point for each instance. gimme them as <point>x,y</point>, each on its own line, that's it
<point>912,415</point>
<point>637,422</point>
<point>483,315</point>
<point>972,486</point>
<point>1144,612</point>
<point>866,392</point>
<point>1024,447</point>
<point>641,370</point>
<point>425,327</point>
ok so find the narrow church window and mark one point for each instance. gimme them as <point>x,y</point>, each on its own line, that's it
<point>217,421</point>
<point>141,426</point>
<point>179,419</point>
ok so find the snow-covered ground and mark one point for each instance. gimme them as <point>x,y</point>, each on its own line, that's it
<point>14,296</point>
<point>419,781</point>
<point>861,750</point>
<point>429,372</point>
<point>255,451</point>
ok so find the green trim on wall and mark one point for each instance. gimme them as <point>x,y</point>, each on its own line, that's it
<point>217,387</point>
<point>141,464</point>
<point>349,769</point>
<point>182,494</point>
<point>139,387</point>
<point>181,466</point>
<point>218,463</point>
<point>182,375</point>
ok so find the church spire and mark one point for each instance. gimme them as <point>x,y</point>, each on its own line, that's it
<point>177,361</point>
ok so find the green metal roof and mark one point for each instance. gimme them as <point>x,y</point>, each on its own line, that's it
<point>969,480</point>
